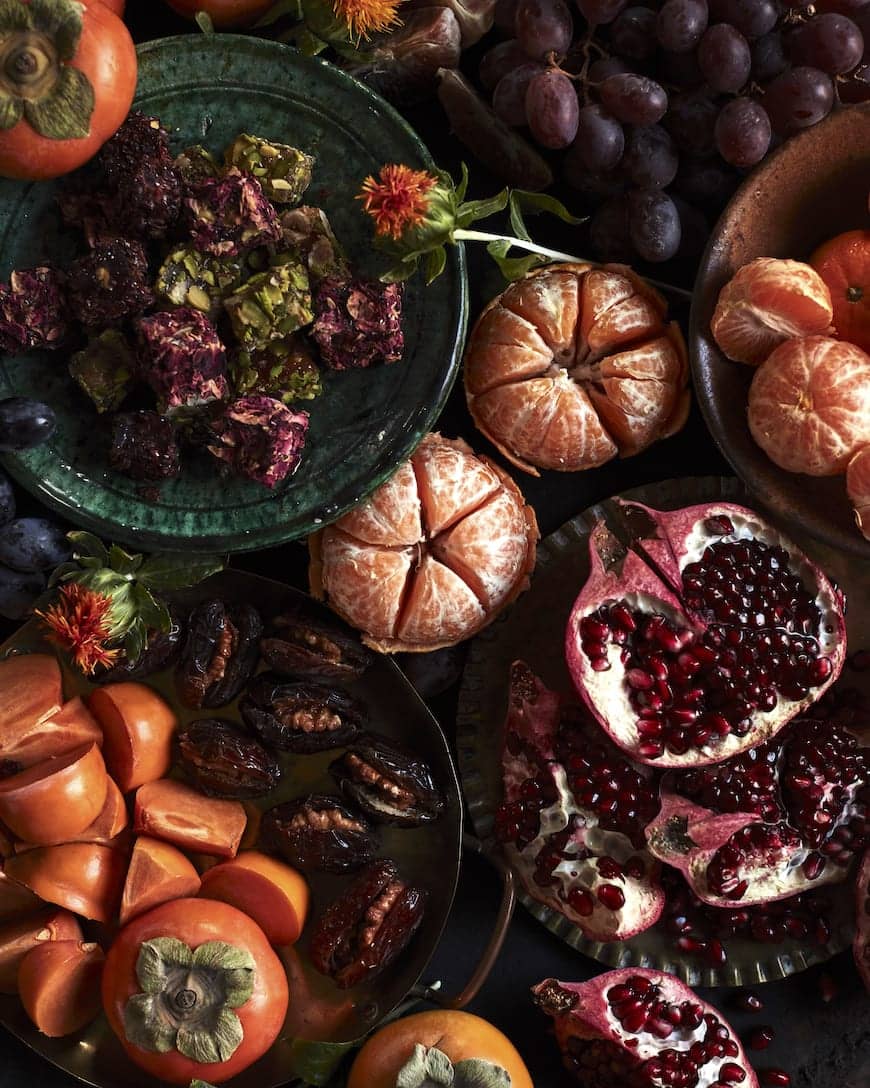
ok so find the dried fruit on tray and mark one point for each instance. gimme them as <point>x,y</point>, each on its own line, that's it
<point>110,284</point>
<point>284,369</point>
<point>33,310</point>
<point>144,446</point>
<point>283,171</point>
<point>182,359</point>
<point>105,369</point>
<point>309,238</point>
<point>260,438</point>
<point>270,306</point>
<point>358,322</point>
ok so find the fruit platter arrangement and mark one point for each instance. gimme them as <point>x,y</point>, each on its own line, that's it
<point>518,617</point>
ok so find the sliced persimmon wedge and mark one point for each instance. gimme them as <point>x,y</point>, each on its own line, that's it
<point>59,985</point>
<point>19,936</point>
<point>83,877</point>
<point>267,890</point>
<point>32,691</point>
<point>62,729</point>
<point>176,813</point>
<point>16,900</point>
<point>157,873</point>
<point>138,726</point>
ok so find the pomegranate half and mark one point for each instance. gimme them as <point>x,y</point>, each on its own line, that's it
<point>703,635</point>
<point>643,1029</point>
<point>769,823</point>
<point>861,946</point>
<point>573,814</point>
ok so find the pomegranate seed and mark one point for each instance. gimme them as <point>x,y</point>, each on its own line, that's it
<point>593,629</point>
<point>749,1002</point>
<point>611,896</point>
<point>639,680</point>
<point>621,617</point>
<point>716,954</point>
<point>635,1018</point>
<point>691,944</point>
<point>731,1073</point>
<point>761,1038</point>
<point>719,525</point>
<point>813,866</point>
<point>581,902</point>
<point>774,1078</point>
<point>616,995</point>
<point>599,664</point>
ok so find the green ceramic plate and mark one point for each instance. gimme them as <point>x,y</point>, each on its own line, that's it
<point>206,89</point>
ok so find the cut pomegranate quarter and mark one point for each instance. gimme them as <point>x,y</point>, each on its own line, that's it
<point>645,1029</point>
<point>705,637</point>
<point>572,365</point>
<point>433,556</point>
<point>577,846</point>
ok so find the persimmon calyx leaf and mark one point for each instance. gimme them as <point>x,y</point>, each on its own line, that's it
<point>429,1067</point>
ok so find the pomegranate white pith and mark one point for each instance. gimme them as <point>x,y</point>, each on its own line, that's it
<point>717,657</point>
<point>639,1028</point>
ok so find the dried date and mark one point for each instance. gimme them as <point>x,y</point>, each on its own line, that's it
<point>222,760</point>
<point>318,834</point>
<point>300,644</point>
<point>300,716</point>
<point>365,929</point>
<point>387,783</point>
<point>220,654</point>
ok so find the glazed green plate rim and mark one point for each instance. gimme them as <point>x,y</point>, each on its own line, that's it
<point>79,500</point>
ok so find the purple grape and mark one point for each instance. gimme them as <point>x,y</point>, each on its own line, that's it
<point>829,42</point>
<point>650,157</point>
<point>593,187</point>
<point>552,109</point>
<point>724,58</point>
<point>691,120</point>
<point>544,26</point>
<point>843,7</point>
<point>509,96</point>
<point>680,24</point>
<point>608,231</point>
<point>798,99</point>
<point>601,12</point>
<point>7,499</point>
<point>751,17</point>
<point>500,60</point>
<point>31,544</point>
<point>600,69</point>
<point>24,423</point>
<point>633,99</point>
<point>742,132</point>
<point>633,33</point>
<point>600,139</point>
<point>653,224</point>
<point>768,57</point>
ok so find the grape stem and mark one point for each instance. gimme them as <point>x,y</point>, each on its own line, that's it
<point>484,236</point>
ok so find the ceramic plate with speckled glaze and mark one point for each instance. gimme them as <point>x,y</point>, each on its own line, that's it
<point>207,89</point>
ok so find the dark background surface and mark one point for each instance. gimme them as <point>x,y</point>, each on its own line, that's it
<point>822,1045</point>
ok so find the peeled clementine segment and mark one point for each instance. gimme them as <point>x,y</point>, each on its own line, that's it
<point>83,877</point>
<point>809,405</point>
<point>767,302</point>
<point>31,692</point>
<point>440,605</point>
<point>844,265</point>
<point>858,488</point>
<point>157,873</point>
<point>391,515</point>
<point>59,985</point>
<point>267,890</point>
<point>576,409</point>
<point>451,484</point>
<point>551,305</point>
<point>19,936</point>
<point>365,581</point>
<point>504,347</point>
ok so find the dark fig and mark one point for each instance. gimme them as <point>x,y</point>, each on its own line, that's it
<point>388,784</point>
<point>220,654</point>
<point>223,760</point>
<point>300,716</point>
<point>367,927</point>
<point>318,833</point>
<point>161,651</point>
<point>300,644</point>
<point>403,65</point>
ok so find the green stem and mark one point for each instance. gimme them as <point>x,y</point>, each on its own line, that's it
<point>461,234</point>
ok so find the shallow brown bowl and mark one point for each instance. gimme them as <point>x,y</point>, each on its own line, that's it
<point>813,187</point>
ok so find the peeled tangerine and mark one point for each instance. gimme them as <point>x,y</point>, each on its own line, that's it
<point>766,302</point>
<point>858,488</point>
<point>809,405</point>
<point>432,556</point>
<point>573,365</point>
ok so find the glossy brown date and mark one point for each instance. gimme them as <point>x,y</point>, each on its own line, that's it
<point>220,653</point>
<point>388,784</point>
<point>301,644</point>
<point>221,760</point>
<point>299,715</point>
<point>318,833</point>
<point>365,929</point>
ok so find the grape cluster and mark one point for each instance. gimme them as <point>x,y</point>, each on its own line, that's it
<point>661,106</point>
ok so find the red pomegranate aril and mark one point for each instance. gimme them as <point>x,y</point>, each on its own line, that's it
<point>639,680</point>
<point>581,901</point>
<point>813,866</point>
<point>691,944</point>
<point>731,1073</point>
<point>609,868</point>
<point>600,664</point>
<point>761,1038</point>
<point>622,618</point>
<point>611,896</point>
<point>594,629</point>
<point>774,1078</point>
<point>749,1002</point>
<point>715,954</point>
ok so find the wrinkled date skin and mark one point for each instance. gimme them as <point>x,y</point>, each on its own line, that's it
<point>300,716</point>
<point>388,784</point>
<point>220,653</point>
<point>365,929</point>
<point>298,644</point>
<point>319,834</point>
<point>223,761</point>
<point>161,651</point>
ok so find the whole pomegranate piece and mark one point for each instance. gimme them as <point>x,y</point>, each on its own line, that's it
<point>767,302</point>
<point>703,636</point>
<point>861,946</point>
<point>809,405</point>
<point>573,815</point>
<point>643,1029</point>
<point>858,488</point>
<point>771,822</point>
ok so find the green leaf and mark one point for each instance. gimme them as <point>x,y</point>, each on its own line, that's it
<point>65,112</point>
<point>315,1063</point>
<point>279,10</point>
<point>11,109</point>
<point>122,562</point>
<point>88,544</point>
<point>176,571</point>
<point>436,259</point>
<point>462,187</point>
<point>514,268</point>
<point>63,573</point>
<point>203,21</point>
<point>470,212</point>
<point>308,44</point>
<point>403,270</point>
<point>151,611</point>
<point>134,642</point>
<point>14,16</point>
<point>535,203</point>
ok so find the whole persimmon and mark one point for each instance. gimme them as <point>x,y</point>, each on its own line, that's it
<point>460,1036</point>
<point>844,265</point>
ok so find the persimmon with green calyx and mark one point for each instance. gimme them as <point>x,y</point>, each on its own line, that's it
<point>428,1045</point>
<point>193,990</point>
<point>67,79</point>
<point>224,14</point>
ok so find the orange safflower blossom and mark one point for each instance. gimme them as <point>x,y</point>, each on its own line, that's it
<point>80,623</point>
<point>397,201</point>
<point>364,17</point>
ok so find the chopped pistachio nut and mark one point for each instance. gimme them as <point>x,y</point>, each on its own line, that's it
<point>284,370</point>
<point>309,238</point>
<point>270,306</point>
<point>105,369</point>
<point>195,163</point>
<point>189,277</point>
<point>283,171</point>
